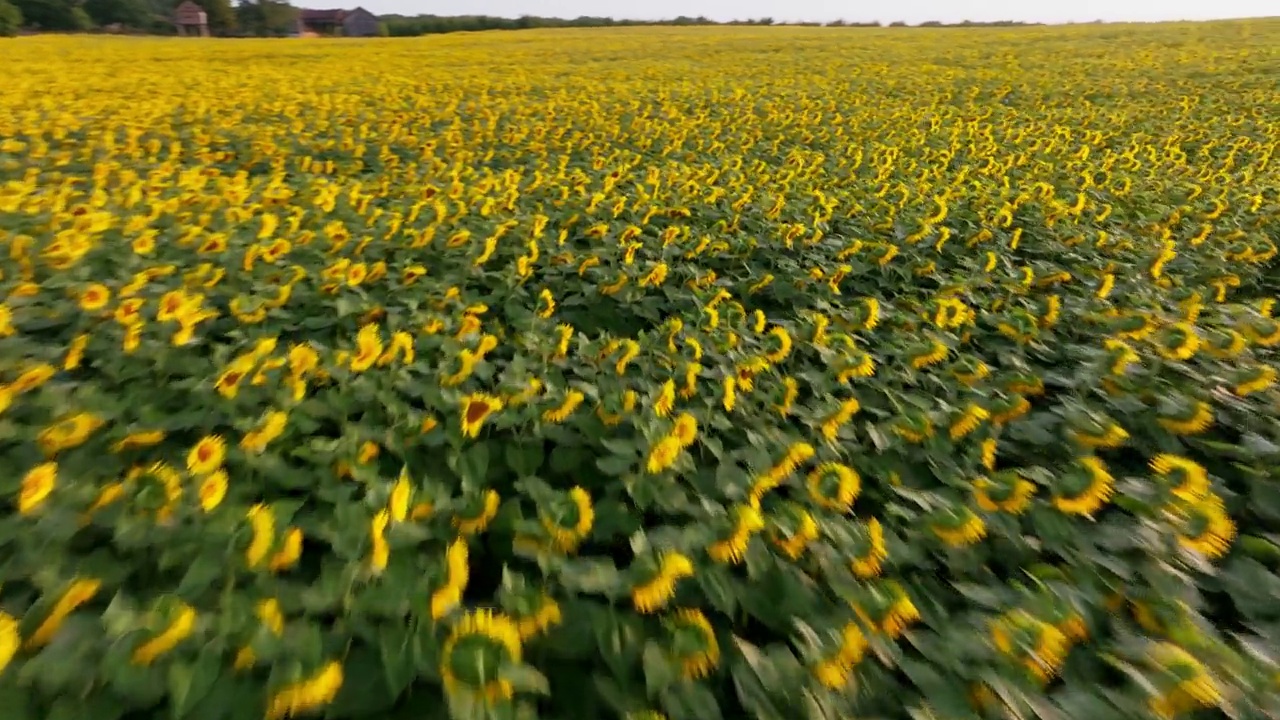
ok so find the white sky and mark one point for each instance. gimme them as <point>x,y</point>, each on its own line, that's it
<point>912,11</point>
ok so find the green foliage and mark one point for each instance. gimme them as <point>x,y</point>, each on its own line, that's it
<point>220,14</point>
<point>266,17</point>
<point>10,19</point>
<point>706,374</point>
<point>60,15</point>
<point>130,13</point>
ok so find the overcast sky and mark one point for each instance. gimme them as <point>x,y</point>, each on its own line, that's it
<point>912,11</point>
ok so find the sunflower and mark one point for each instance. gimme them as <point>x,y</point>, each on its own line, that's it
<point>561,412</point>
<point>290,551</point>
<point>1183,683</point>
<point>1226,343</point>
<point>662,575</point>
<point>213,489</point>
<point>691,371</point>
<point>958,527</point>
<point>1179,342</point>
<point>569,522</point>
<point>831,425</point>
<point>967,421</point>
<point>792,530</point>
<point>368,348</point>
<point>833,670</point>
<point>1206,527</point>
<point>37,485</point>
<point>457,573</point>
<point>400,496</point>
<point>1255,381</point>
<point>869,550</point>
<point>79,592</point>
<point>987,453</point>
<point>178,629</point>
<point>1107,436</point>
<point>860,365</point>
<point>834,486</point>
<point>693,642</point>
<point>479,644</point>
<point>1121,356</point>
<point>10,639</point>
<point>1038,646</point>
<point>1185,478</point>
<point>68,433</point>
<point>206,455</point>
<point>482,509</point>
<point>262,522</point>
<point>1194,419</point>
<point>733,546</point>
<point>971,370</point>
<point>685,429</point>
<point>307,694</point>
<point>893,608</point>
<point>1086,489</point>
<point>783,340</point>
<point>932,355</point>
<point>665,400</point>
<point>95,297</point>
<point>915,428</point>
<point>1003,492</point>
<point>1007,411</point>
<point>476,408</point>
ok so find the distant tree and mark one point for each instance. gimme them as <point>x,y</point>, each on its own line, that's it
<point>220,14</point>
<point>10,19</point>
<point>266,17</point>
<point>66,15</point>
<point>131,13</point>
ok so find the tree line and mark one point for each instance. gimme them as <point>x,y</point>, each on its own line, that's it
<point>267,18</point>
<point>251,18</point>
<point>407,26</point>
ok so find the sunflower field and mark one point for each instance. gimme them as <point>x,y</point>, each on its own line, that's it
<point>728,373</point>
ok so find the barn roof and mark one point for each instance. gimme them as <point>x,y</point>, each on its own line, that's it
<point>189,12</point>
<point>322,15</point>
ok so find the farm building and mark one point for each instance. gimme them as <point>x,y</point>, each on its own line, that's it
<point>190,19</point>
<point>351,23</point>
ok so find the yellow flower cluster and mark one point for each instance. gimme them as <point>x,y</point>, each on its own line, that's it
<point>835,309</point>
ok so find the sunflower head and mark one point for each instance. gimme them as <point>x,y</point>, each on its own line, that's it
<point>1004,491</point>
<point>1183,415</point>
<point>834,486</point>
<point>692,642</point>
<point>914,427</point>
<point>567,519</point>
<point>1085,488</point>
<point>957,525</point>
<point>1206,527</point>
<point>478,648</point>
<point>791,529</point>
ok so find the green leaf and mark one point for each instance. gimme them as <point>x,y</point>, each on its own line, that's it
<point>473,465</point>
<point>615,465</point>
<point>718,586</point>
<point>201,574</point>
<point>526,678</point>
<point>659,671</point>
<point>690,701</point>
<point>756,699</point>
<point>15,703</point>
<point>524,458</point>
<point>396,650</point>
<point>189,683</point>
